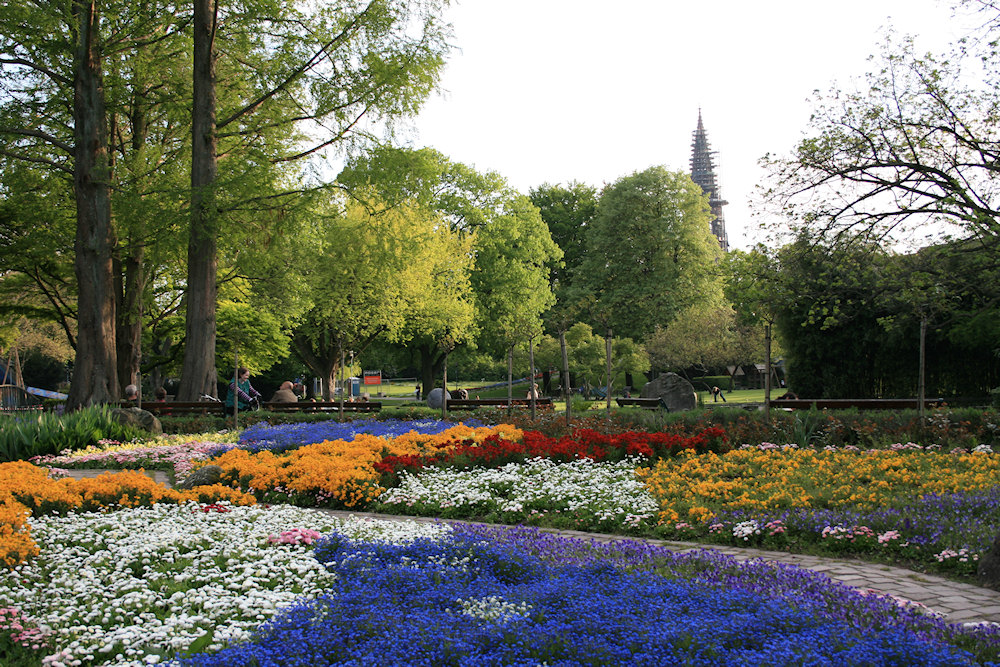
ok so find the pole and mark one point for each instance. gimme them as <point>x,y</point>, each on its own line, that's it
<point>236,384</point>
<point>921,386</point>
<point>341,418</point>
<point>531,383</point>
<point>767,373</point>
<point>444,388</point>
<point>510,379</point>
<point>565,376</point>
<point>607,348</point>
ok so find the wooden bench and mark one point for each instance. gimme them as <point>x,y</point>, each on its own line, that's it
<point>183,408</point>
<point>860,403</point>
<point>647,403</point>
<point>217,408</point>
<point>473,403</point>
<point>323,406</point>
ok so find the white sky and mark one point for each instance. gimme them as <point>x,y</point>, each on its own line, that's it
<point>592,90</point>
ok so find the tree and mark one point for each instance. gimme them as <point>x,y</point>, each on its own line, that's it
<point>703,336</point>
<point>330,66</point>
<point>568,212</point>
<point>651,252</point>
<point>509,247</point>
<point>587,356</point>
<point>373,275</point>
<point>914,148</point>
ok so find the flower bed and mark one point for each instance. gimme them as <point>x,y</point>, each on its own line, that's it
<point>135,586</point>
<point>218,586</point>
<point>905,503</point>
<point>26,490</point>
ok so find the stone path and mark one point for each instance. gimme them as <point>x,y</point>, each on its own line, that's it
<point>958,602</point>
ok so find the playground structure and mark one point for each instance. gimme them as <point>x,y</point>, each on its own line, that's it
<point>14,395</point>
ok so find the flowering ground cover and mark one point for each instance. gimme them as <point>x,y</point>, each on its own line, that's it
<point>908,504</point>
<point>282,437</point>
<point>214,585</point>
<point>581,494</point>
<point>136,586</point>
<point>27,490</point>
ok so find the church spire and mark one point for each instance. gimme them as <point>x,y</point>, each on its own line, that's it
<point>703,173</point>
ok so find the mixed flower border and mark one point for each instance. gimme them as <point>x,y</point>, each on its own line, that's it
<point>907,502</point>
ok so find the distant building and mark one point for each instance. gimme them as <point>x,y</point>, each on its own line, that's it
<point>703,173</point>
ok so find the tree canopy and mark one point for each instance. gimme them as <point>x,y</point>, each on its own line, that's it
<point>650,251</point>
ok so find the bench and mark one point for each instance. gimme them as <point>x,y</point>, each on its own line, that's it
<point>323,406</point>
<point>473,403</point>
<point>217,408</point>
<point>647,403</point>
<point>181,408</point>
<point>860,403</point>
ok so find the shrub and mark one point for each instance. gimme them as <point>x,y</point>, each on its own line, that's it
<point>24,436</point>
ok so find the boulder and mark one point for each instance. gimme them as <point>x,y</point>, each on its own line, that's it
<point>434,398</point>
<point>137,418</point>
<point>989,566</point>
<point>204,476</point>
<point>676,393</point>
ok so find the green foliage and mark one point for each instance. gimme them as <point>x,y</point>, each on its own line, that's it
<point>949,428</point>
<point>854,330</point>
<point>587,354</point>
<point>650,252</point>
<point>28,434</point>
<point>568,212</point>
<point>255,334</point>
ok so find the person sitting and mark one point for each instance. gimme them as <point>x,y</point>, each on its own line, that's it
<point>131,395</point>
<point>285,394</point>
<point>241,393</point>
<point>533,392</point>
<point>160,394</point>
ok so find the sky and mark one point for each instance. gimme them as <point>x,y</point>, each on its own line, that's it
<point>555,91</point>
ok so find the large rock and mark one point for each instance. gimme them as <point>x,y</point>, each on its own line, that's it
<point>204,476</point>
<point>137,418</point>
<point>676,393</point>
<point>434,398</point>
<point>989,566</point>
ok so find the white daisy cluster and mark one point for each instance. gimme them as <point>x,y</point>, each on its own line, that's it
<point>606,490</point>
<point>136,586</point>
<point>746,529</point>
<point>493,608</point>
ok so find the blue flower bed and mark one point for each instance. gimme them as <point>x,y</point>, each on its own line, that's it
<point>284,437</point>
<point>494,596</point>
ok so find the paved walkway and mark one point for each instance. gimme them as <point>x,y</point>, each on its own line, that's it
<point>958,602</point>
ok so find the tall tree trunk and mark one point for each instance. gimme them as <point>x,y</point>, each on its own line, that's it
<point>431,363</point>
<point>324,368</point>
<point>198,374</point>
<point>95,372</point>
<point>130,313</point>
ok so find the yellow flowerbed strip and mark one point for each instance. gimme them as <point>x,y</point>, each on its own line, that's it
<point>695,486</point>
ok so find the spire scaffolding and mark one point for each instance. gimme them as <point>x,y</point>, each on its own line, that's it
<point>703,173</point>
